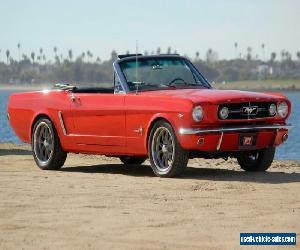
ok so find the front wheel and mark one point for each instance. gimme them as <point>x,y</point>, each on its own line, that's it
<point>47,151</point>
<point>167,157</point>
<point>257,160</point>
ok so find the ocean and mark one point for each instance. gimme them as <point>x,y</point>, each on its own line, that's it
<point>288,151</point>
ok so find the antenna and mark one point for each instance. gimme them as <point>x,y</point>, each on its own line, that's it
<point>136,67</point>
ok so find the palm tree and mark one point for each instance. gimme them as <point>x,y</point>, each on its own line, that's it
<point>7,55</point>
<point>209,55</point>
<point>282,53</point>
<point>55,51</point>
<point>90,55</point>
<point>197,55</point>
<point>288,55</point>
<point>298,55</point>
<point>32,55</point>
<point>41,53</point>
<point>263,51</point>
<point>98,60</point>
<point>82,56</point>
<point>236,47</point>
<point>19,49</point>
<point>0,55</point>
<point>249,51</point>
<point>273,57</point>
<point>70,53</point>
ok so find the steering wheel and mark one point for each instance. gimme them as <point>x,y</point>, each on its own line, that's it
<point>177,79</point>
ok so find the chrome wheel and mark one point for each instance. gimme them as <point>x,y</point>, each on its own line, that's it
<point>163,149</point>
<point>43,144</point>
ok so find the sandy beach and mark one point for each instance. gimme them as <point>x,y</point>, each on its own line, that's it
<point>95,202</point>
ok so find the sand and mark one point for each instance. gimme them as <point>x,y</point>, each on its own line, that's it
<point>95,202</point>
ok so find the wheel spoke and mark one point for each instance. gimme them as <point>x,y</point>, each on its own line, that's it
<point>163,148</point>
<point>43,143</point>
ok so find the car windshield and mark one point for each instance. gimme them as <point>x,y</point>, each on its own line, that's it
<point>159,72</point>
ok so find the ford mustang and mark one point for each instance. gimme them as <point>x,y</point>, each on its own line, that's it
<point>158,107</point>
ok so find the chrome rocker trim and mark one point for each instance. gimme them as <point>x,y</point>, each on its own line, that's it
<point>195,131</point>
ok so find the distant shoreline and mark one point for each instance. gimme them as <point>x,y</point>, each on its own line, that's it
<point>249,85</point>
<point>24,87</point>
<point>261,85</point>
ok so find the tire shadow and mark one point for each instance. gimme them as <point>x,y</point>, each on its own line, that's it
<point>208,174</point>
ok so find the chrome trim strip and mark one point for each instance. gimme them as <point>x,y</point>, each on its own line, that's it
<point>121,76</point>
<point>220,141</point>
<point>62,123</point>
<point>195,131</point>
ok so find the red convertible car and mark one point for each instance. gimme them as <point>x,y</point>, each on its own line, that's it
<point>158,107</point>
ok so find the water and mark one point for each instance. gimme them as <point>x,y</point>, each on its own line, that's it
<point>288,151</point>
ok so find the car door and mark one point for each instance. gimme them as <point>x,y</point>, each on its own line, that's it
<point>99,119</point>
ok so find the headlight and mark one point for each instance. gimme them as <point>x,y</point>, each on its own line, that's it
<point>283,109</point>
<point>272,109</point>
<point>223,113</point>
<point>197,114</point>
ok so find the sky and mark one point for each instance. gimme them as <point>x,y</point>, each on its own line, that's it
<point>185,25</point>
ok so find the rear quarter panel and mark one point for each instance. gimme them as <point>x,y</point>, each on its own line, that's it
<point>24,108</point>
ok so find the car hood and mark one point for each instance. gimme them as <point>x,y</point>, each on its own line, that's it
<point>216,96</point>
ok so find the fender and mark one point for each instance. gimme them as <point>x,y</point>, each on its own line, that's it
<point>172,118</point>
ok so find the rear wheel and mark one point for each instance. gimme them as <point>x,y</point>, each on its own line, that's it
<point>167,157</point>
<point>132,160</point>
<point>256,161</point>
<point>47,151</point>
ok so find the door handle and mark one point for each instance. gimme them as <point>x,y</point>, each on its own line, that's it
<point>74,98</point>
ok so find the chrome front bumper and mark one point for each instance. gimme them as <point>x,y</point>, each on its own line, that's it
<point>196,131</point>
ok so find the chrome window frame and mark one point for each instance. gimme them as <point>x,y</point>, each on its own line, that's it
<point>122,78</point>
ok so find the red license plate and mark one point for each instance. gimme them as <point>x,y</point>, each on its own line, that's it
<point>247,140</point>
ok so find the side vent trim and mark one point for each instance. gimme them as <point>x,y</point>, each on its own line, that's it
<point>62,123</point>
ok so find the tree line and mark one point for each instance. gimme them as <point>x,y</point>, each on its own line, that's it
<point>87,68</point>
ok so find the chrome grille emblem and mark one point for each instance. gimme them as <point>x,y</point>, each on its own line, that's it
<point>251,110</point>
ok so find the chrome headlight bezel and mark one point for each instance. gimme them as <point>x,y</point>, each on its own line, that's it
<point>223,113</point>
<point>283,109</point>
<point>272,109</point>
<point>197,113</point>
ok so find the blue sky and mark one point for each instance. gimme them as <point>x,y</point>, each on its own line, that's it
<point>186,26</point>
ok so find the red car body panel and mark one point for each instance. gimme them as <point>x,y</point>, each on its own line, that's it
<point>119,124</point>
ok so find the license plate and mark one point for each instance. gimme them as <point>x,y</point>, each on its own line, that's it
<point>247,140</point>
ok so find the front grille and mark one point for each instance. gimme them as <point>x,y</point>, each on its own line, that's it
<point>247,110</point>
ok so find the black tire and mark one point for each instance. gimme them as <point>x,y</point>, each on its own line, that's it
<point>161,165</point>
<point>133,160</point>
<point>256,161</point>
<point>57,157</point>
